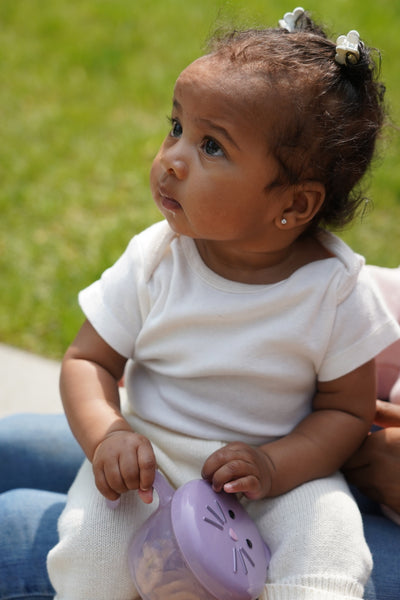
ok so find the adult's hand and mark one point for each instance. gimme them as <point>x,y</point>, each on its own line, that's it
<point>375,467</point>
<point>387,414</point>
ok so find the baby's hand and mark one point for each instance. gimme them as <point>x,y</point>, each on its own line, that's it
<point>239,468</point>
<point>124,461</point>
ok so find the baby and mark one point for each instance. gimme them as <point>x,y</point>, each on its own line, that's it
<point>246,330</point>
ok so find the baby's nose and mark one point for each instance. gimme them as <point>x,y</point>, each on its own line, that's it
<point>175,162</point>
<point>177,168</point>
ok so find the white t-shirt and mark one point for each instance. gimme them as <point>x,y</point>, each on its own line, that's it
<point>222,360</point>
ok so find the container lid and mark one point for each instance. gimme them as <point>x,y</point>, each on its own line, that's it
<point>219,542</point>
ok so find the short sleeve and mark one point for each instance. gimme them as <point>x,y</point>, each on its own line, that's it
<point>113,303</point>
<point>362,328</point>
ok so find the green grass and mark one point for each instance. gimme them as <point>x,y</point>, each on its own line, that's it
<point>84,90</point>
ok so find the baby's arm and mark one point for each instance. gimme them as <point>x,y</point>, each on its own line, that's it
<point>122,459</point>
<point>343,411</point>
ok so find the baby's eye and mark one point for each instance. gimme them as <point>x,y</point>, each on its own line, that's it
<point>176,128</point>
<point>212,148</point>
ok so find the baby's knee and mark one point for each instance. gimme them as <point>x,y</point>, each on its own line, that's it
<point>91,558</point>
<point>316,538</point>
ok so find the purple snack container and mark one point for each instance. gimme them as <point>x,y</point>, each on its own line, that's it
<point>198,545</point>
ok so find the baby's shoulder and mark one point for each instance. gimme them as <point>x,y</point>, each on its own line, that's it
<point>151,245</point>
<point>333,260</point>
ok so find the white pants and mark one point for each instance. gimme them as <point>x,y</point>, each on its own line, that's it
<point>314,532</point>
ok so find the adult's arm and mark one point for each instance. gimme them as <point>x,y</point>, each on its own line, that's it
<point>375,466</point>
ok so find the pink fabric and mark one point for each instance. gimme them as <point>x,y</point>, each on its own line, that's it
<point>388,361</point>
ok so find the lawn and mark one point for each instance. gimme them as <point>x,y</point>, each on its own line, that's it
<point>85,88</point>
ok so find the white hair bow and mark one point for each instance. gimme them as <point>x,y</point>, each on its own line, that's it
<point>347,48</point>
<point>290,19</point>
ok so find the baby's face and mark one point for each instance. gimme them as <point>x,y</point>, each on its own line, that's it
<point>210,175</point>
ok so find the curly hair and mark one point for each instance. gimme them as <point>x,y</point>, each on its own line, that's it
<point>330,115</point>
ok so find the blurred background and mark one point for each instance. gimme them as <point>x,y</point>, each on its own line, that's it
<point>85,88</point>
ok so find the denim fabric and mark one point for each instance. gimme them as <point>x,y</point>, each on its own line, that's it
<point>38,452</point>
<point>28,529</point>
<point>383,537</point>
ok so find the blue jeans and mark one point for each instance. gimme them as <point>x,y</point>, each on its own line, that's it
<point>39,459</point>
<point>38,462</point>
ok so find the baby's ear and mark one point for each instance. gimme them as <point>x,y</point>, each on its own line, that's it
<point>305,201</point>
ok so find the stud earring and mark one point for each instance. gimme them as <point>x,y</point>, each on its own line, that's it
<point>283,221</point>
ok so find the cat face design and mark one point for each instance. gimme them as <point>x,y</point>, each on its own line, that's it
<point>233,535</point>
<point>220,542</point>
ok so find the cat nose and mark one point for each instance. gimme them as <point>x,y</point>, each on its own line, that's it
<point>232,535</point>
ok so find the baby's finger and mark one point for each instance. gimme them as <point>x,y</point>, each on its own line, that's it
<point>248,485</point>
<point>214,462</point>
<point>231,472</point>
<point>146,496</point>
<point>129,470</point>
<point>114,478</point>
<point>103,487</point>
<point>147,465</point>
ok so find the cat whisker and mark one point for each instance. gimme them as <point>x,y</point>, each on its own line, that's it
<point>235,566</point>
<point>216,515</point>
<point>245,554</point>
<point>221,511</point>
<point>217,525</point>
<point>243,561</point>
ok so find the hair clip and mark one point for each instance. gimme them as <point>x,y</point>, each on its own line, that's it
<point>347,48</point>
<point>290,19</point>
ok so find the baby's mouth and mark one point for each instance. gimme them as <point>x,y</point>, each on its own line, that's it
<point>168,202</point>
